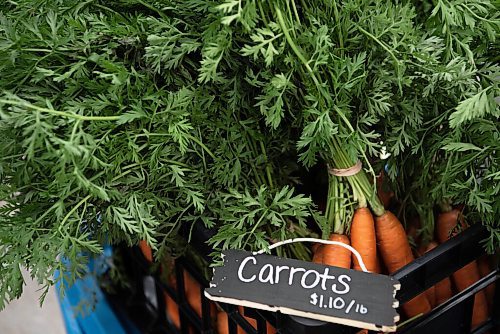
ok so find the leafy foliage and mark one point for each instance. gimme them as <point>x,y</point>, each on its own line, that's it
<point>130,120</point>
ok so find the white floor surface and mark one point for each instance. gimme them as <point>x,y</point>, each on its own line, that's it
<point>24,316</point>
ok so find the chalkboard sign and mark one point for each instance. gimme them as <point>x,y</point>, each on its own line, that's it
<point>310,290</point>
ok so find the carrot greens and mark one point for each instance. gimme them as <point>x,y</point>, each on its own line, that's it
<point>130,120</point>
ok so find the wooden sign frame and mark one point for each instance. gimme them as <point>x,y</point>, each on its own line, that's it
<point>310,290</point>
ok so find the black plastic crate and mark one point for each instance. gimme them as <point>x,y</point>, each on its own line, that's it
<point>452,317</point>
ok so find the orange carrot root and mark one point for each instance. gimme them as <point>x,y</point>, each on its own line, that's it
<point>395,252</point>
<point>318,254</point>
<point>363,239</point>
<point>173,311</point>
<point>393,245</point>
<point>446,223</point>
<point>464,278</point>
<point>146,250</point>
<point>431,296</point>
<point>223,323</point>
<point>442,289</point>
<point>418,305</point>
<point>485,268</point>
<point>468,275</point>
<point>338,256</point>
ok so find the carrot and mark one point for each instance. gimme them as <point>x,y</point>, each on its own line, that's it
<point>223,324</point>
<point>464,278</point>
<point>431,295</point>
<point>194,296</point>
<point>430,292</point>
<point>193,293</point>
<point>446,223</point>
<point>251,321</point>
<point>396,253</point>
<point>172,307</point>
<point>484,266</point>
<point>393,244</point>
<point>468,275</point>
<point>338,256</point>
<point>443,290</point>
<point>146,250</point>
<point>421,250</point>
<point>318,254</point>
<point>334,255</point>
<point>417,306</point>
<point>363,239</point>
<point>195,302</point>
<point>173,311</point>
<point>270,329</point>
<point>315,247</point>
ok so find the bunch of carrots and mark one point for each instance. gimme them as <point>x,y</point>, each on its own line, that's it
<point>379,237</point>
<point>449,223</point>
<point>355,215</point>
<point>384,246</point>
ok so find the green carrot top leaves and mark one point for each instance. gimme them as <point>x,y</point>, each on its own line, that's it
<point>130,120</point>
